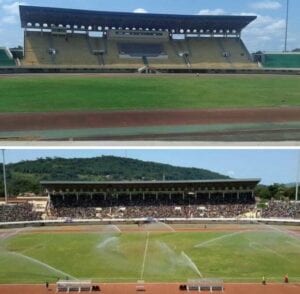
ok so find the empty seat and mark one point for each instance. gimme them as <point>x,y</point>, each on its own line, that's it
<point>140,50</point>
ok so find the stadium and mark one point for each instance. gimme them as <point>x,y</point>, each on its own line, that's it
<point>149,236</point>
<point>127,76</point>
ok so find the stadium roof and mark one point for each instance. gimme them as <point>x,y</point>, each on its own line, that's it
<point>250,183</point>
<point>83,19</point>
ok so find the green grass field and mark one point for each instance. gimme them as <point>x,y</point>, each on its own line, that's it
<point>78,93</point>
<point>165,256</point>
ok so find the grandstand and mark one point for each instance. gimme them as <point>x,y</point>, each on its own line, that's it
<point>55,37</point>
<point>169,200</point>
<point>6,58</point>
<point>219,198</point>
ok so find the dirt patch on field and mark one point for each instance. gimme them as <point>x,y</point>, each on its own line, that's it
<point>83,120</point>
<point>158,289</point>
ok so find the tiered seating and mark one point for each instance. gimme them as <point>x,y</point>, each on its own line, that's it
<point>18,212</point>
<point>6,59</point>
<point>82,50</point>
<point>166,54</point>
<point>238,55</point>
<point>139,50</point>
<point>219,53</point>
<point>172,61</point>
<point>113,59</point>
<point>37,49</point>
<point>73,50</point>
<point>98,47</point>
<point>206,53</point>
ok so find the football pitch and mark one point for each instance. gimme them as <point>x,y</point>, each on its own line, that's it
<point>106,254</point>
<point>58,93</point>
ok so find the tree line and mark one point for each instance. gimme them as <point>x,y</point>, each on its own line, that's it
<point>25,176</point>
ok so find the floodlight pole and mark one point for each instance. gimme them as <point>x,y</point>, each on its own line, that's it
<point>4,177</point>
<point>286,24</point>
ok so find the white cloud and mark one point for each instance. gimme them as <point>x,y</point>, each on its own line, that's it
<point>12,8</point>
<point>269,5</point>
<point>231,173</point>
<point>9,19</point>
<point>264,32</point>
<point>140,10</point>
<point>217,11</point>
<point>266,25</point>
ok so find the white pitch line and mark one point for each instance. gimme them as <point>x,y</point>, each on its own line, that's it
<point>267,249</point>
<point>11,234</point>
<point>118,229</point>
<point>293,244</point>
<point>283,231</point>
<point>145,255</point>
<point>217,239</point>
<point>168,226</point>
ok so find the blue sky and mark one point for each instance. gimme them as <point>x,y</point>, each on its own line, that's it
<point>266,33</point>
<point>272,166</point>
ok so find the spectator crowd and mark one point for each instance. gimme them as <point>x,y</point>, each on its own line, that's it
<point>18,212</point>
<point>281,209</point>
<point>83,208</point>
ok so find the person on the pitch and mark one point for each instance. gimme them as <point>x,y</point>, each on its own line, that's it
<point>286,278</point>
<point>264,282</point>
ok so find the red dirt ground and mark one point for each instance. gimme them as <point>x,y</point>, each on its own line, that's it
<point>77,120</point>
<point>159,288</point>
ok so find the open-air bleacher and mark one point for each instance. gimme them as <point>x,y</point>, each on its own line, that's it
<point>18,212</point>
<point>81,50</point>
<point>136,206</point>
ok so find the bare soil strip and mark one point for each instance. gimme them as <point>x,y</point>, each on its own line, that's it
<point>10,122</point>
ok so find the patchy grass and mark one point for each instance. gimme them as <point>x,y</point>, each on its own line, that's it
<point>78,93</point>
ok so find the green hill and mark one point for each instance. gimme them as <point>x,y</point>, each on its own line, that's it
<point>26,175</point>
